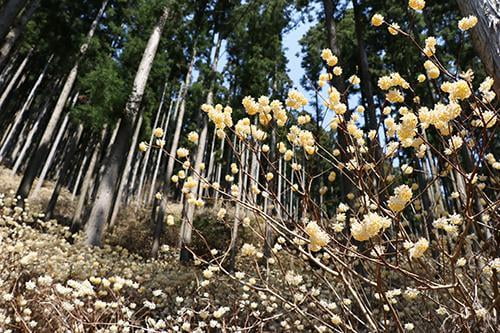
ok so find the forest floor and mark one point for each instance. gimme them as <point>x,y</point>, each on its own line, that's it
<point>133,229</point>
<point>92,285</point>
<point>65,206</point>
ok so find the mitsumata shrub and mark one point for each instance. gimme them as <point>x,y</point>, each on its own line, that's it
<point>276,249</point>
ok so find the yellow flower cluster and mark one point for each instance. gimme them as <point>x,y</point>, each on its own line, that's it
<point>234,168</point>
<point>302,138</point>
<point>332,176</point>
<point>458,90</point>
<point>158,132</point>
<point>323,79</point>
<point>295,100</point>
<point>395,96</point>
<point>402,195</point>
<point>337,71</point>
<point>248,250</point>
<point>354,131</point>
<point>432,70</point>
<point>235,190</point>
<point>394,29</point>
<point>416,4</point>
<point>318,238</point>
<point>328,56</point>
<point>279,113</point>
<point>492,161</point>
<point>304,119</point>
<point>293,279</point>
<point>377,20</point>
<point>391,126</point>
<point>418,249</point>
<point>467,23</point>
<point>448,224</point>
<point>263,107</point>
<point>182,152</point>
<point>430,46</point>
<point>393,80</point>
<point>369,227</point>
<point>455,143</point>
<point>334,103</point>
<point>485,89</point>
<point>354,80</point>
<point>486,119</point>
<point>219,115</point>
<point>439,116</point>
<point>407,130</point>
<point>244,129</point>
<point>193,137</point>
<point>189,185</point>
<point>143,146</point>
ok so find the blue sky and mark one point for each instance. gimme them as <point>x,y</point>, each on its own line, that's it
<point>291,42</point>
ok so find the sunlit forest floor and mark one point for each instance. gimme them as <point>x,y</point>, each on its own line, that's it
<point>65,206</point>
<point>56,283</point>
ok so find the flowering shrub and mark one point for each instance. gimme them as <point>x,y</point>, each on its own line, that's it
<point>398,252</point>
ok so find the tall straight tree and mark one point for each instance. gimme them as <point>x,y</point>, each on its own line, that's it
<point>366,85</point>
<point>331,35</point>
<point>20,113</point>
<point>187,222</point>
<point>44,145</point>
<point>486,35</point>
<point>16,31</point>
<point>13,80</point>
<point>77,215</point>
<point>8,15</point>
<point>180,117</point>
<point>146,156</point>
<point>105,192</point>
<point>125,172</point>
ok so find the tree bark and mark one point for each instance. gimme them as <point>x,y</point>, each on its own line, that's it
<point>52,152</point>
<point>20,115</point>
<point>153,189</point>
<point>187,228</point>
<point>67,168</point>
<point>104,197</point>
<point>148,154</point>
<point>219,169</point>
<point>211,163</point>
<point>31,135</point>
<point>233,246</point>
<point>13,80</point>
<point>87,180</point>
<point>125,173</point>
<point>331,31</point>
<point>8,15</point>
<point>44,144</point>
<point>79,175</point>
<point>145,160</point>
<point>486,34</point>
<point>366,83</point>
<point>6,71</point>
<point>14,33</point>
<point>180,119</point>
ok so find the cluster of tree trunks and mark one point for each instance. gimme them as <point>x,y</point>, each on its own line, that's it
<point>104,171</point>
